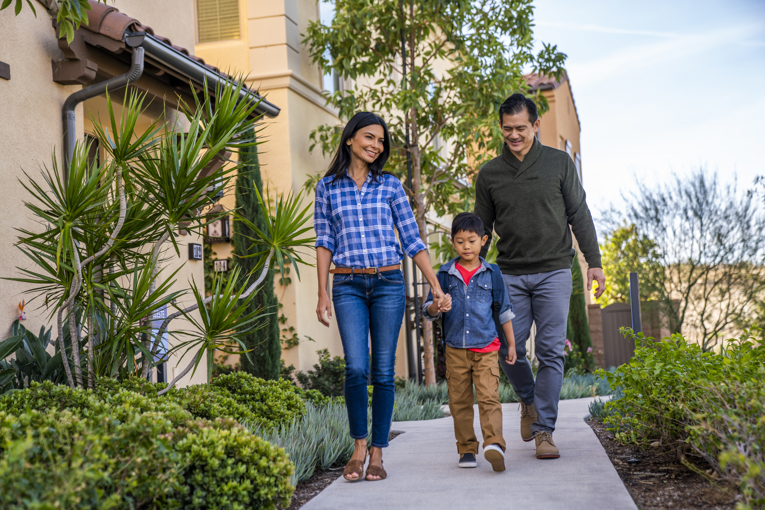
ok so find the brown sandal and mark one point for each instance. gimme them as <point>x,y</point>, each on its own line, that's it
<point>376,471</point>
<point>357,467</point>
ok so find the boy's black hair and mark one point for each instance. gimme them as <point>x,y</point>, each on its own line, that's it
<point>516,104</point>
<point>467,222</point>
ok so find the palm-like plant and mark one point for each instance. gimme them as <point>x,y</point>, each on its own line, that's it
<point>98,262</point>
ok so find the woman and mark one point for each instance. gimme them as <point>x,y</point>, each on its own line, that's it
<point>357,206</point>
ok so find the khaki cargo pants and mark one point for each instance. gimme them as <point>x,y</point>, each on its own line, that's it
<point>465,368</point>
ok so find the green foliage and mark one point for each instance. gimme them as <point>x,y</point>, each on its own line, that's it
<point>579,334</point>
<point>318,440</point>
<point>122,446</point>
<point>623,251</point>
<point>703,403</point>
<point>408,407</point>
<point>272,402</point>
<point>71,14</point>
<point>490,45</point>
<point>263,360</point>
<point>228,467</point>
<point>327,376</point>
<point>31,361</point>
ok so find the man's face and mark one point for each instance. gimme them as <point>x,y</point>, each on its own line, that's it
<point>519,132</point>
<point>468,244</point>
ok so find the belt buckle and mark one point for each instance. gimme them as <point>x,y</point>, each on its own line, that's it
<point>374,270</point>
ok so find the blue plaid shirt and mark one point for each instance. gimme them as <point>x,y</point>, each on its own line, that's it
<point>357,226</point>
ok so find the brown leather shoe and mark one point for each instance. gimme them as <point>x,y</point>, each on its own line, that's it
<point>546,448</point>
<point>528,416</point>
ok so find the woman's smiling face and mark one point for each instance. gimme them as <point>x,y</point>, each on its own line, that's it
<point>368,143</point>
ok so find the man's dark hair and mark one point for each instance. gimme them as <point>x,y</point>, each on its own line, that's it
<point>516,104</point>
<point>467,222</point>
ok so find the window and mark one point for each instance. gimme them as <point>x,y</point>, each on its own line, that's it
<point>568,148</point>
<point>578,164</point>
<point>218,20</point>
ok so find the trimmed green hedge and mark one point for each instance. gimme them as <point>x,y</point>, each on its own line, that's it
<point>122,446</point>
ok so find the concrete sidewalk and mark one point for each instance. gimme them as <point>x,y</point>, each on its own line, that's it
<point>423,473</point>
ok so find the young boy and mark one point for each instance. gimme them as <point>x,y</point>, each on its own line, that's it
<point>472,345</point>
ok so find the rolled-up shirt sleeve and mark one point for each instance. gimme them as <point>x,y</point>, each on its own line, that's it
<point>405,222</point>
<point>506,308</point>
<point>325,237</point>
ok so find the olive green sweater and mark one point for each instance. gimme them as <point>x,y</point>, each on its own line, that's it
<point>530,205</point>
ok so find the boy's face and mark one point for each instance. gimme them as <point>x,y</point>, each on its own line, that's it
<point>468,245</point>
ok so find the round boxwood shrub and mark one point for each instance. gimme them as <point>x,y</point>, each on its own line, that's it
<point>228,467</point>
<point>271,402</point>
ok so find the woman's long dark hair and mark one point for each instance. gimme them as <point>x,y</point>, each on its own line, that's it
<point>339,166</point>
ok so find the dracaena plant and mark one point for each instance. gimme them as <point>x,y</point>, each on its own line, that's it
<point>109,228</point>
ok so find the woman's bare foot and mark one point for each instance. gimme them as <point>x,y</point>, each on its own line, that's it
<point>360,454</point>
<point>375,459</point>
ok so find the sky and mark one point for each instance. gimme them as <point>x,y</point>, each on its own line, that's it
<point>661,87</point>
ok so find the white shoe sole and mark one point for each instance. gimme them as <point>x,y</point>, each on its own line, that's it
<point>496,458</point>
<point>468,464</point>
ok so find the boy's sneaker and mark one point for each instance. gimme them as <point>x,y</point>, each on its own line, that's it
<point>495,456</point>
<point>467,460</point>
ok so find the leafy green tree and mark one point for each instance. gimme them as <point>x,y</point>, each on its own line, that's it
<point>623,251</point>
<point>463,58</point>
<point>265,350</point>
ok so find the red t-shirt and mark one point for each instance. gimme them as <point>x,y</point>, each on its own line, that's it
<point>466,276</point>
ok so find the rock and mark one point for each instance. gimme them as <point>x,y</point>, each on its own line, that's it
<point>656,443</point>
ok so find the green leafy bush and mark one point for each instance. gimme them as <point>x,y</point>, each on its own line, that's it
<point>56,459</point>
<point>116,448</point>
<point>327,376</point>
<point>271,402</point>
<point>701,403</point>
<point>228,467</point>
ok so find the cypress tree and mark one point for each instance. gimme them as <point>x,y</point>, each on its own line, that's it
<point>264,358</point>
<point>578,325</point>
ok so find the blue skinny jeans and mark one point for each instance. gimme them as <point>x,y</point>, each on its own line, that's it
<point>369,310</point>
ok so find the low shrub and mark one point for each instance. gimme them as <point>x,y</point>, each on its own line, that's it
<point>327,376</point>
<point>699,403</point>
<point>56,459</point>
<point>225,466</point>
<point>271,402</point>
<point>408,407</point>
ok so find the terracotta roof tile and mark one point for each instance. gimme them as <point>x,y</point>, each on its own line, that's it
<point>110,22</point>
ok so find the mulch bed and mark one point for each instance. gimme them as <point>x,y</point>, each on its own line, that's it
<point>320,480</point>
<point>656,480</point>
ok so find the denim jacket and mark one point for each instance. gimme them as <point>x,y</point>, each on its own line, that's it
<point>470,322</point>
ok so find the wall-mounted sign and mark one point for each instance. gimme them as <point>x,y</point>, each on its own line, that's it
<point>195,251</point>
<point>220,266</point>
<point>218,230</point>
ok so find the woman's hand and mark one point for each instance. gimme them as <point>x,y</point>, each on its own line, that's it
<point>324,306</point>
<point>446,303</point>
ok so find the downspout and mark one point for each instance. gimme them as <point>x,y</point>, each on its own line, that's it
<point>67,113</point>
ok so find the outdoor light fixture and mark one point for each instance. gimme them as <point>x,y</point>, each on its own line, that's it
<point>218,231</point>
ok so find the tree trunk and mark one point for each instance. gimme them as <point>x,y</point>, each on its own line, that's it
<point>429,368</point>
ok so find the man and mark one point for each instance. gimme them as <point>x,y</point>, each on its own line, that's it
<point>530,195</point>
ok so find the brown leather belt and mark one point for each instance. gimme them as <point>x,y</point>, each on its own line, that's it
<point>364,270</point>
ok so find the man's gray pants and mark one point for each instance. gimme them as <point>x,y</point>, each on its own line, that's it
<point>541,298</point>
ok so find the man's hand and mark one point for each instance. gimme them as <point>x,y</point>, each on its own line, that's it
<point>596,273</point>
<point>446,303</point>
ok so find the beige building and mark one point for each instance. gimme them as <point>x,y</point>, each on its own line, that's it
<point>38,72</point>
